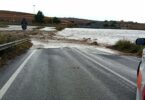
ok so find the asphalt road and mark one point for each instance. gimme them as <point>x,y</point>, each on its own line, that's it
<point>69,74</point>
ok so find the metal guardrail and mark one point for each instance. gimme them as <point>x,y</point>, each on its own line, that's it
<point>11,44</point>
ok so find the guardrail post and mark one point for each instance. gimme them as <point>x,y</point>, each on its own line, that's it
<point>0,62</point>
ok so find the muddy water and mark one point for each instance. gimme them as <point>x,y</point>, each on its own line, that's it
<point>16,28</point>
<point>105,36</point>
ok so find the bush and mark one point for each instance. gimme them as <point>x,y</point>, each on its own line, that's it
<point>128,47</point>
<point>39,18</point>
<point>56,20</point>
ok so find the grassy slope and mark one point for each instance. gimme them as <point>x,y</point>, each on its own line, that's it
<point>128,47</point>
<point>14,51</point>
<point>3,25</point>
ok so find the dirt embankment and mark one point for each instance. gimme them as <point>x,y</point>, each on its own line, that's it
<point>10,53</point>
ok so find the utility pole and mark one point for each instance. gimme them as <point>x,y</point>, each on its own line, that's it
<point>34,9</point>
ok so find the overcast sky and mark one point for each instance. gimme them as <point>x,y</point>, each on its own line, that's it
<point>128,10</point>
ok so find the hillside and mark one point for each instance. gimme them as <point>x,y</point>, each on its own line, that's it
<point>12,17</point>
<point>15,17</point>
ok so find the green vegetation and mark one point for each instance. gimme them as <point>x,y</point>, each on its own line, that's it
<point>128,47</point>
<point>106,24</point>
<point>56,20</point>
<point>111,24</point>
<point>12,52</point>
<point>39,17</point>
<point>9,37</point>
<point>3,25</point>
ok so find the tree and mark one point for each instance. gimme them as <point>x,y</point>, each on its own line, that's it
<point>39,17</point>
<point>106,24</point>
<point>56,20</point>
<point>113,24</point>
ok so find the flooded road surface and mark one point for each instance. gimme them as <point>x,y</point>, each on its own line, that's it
<point>16,28</point>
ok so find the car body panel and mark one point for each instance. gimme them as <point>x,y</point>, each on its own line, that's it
<point>141,79</point>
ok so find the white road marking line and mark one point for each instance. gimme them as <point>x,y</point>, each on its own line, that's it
<point>13,77</point>
<point>113,72</point>
<point>108,53</point>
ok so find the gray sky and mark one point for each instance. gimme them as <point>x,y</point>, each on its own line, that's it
<point>128,10</point>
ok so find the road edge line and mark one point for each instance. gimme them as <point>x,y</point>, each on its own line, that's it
<point>103,66</point>
<point>6,86</point>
